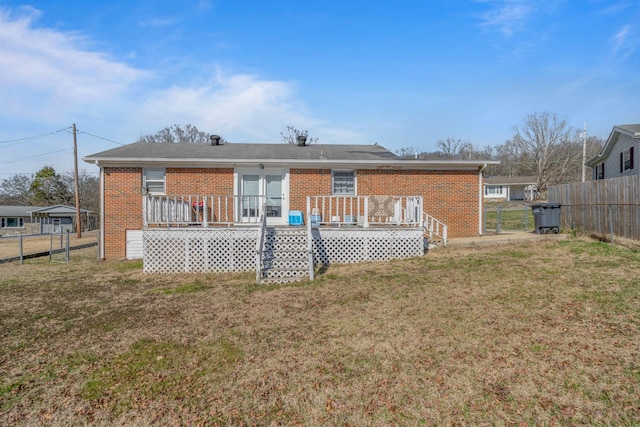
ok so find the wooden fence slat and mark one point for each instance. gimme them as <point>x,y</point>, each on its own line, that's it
<point>602,207</point>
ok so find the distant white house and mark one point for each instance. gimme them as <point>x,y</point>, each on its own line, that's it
<point>618,156</point>
<point>509,188</point>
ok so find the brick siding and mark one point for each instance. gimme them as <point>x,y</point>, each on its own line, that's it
<point>450,196</point>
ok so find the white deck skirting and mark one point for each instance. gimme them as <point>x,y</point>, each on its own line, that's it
<point>233,249</point>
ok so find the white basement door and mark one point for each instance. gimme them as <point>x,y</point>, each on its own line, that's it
<point>133,248</point>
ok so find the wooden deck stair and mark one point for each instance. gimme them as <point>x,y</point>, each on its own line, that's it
<point>285,255</point>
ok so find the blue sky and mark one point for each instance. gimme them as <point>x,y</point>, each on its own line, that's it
<point>402,73</point>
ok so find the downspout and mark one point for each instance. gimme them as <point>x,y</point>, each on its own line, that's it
<point>480,198</point>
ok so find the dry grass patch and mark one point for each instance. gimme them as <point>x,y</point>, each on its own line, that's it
<point>540,333</point>
<point>10,246</point>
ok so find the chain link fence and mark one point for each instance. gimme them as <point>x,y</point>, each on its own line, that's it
<point>507,217</point>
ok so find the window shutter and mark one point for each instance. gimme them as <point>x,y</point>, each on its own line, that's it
<point>621,162</point>
<point>602,170</point>
<point>631,158</point>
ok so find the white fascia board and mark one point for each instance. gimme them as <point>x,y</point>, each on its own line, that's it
<point>358,164</point>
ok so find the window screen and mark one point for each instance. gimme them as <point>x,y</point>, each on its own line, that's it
<point>154,181</point>
<point>344,182</point>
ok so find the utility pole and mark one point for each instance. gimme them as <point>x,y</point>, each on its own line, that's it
<point>584,150</point>
<point>77,184</point>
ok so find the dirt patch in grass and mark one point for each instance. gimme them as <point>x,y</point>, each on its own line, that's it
<point>539,332</point>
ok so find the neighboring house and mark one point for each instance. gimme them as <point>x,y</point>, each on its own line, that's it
<point>16,220</point>
<point>619,156</point>
<point>151,189</point>
<point>509,188</point>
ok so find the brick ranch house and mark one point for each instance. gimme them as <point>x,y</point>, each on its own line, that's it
<point>152,189</point>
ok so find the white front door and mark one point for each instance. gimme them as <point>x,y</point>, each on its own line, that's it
<point>269,185</point>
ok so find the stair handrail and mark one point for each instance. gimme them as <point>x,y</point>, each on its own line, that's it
<point>435,227</point>
<point>260,242</point>
<point>309,239</point>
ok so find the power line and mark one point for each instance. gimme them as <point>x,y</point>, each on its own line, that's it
<point>29,138</point>
<point>99,137</point>
<point>35,155</point>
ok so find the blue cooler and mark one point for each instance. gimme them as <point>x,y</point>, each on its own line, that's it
<point>295,218</point>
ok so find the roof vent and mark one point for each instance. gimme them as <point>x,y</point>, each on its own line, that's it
<point>215,139</point>
<point>302,140</point>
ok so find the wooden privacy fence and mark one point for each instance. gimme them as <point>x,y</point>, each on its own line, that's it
<point>604,207</point>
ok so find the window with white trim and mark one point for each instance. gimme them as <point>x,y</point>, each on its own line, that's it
<point>11,222</point>
<point>343,183</point>
<point>154,181</point>
<point>493,190</point>
<point>626,160</point>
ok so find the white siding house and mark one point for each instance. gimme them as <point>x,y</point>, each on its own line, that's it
<point>509,188</point>
<point>619,156</point>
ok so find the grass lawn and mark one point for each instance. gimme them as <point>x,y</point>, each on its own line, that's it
<point>539,333</point>
<point>519,218</point>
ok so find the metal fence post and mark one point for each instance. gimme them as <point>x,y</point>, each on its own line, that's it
<point>21,253</point>
<point>67,251</point>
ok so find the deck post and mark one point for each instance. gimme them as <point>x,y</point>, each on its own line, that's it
<point>365,223</point>
<point>205,217</point>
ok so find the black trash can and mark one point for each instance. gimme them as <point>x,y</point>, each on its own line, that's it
<point>546,217</point>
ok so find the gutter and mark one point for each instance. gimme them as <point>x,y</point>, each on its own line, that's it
<point>309,163</point>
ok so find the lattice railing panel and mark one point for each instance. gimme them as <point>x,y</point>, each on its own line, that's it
<point>199,250</point>
<point>233,249</point>
<point>345,246</point>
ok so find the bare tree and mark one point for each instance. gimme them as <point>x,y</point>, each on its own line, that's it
<point>16,190</point>
<point>544,145</point>
<point>89,189</point>
<point>452,148</point>
<point>407,152</point>
<point>291,133</point>
<point>176,134</point>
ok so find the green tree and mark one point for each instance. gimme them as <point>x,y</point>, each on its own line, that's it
<point>48,188</point>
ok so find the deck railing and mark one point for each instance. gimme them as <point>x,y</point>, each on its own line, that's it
<point>260,243</point>
<point>364,210</point>
<point>201,210</point>
<point>435,228</point>
<point>227,210</point>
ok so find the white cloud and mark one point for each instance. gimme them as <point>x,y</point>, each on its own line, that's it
<point>507,16</point>
<point>620,41</point>
<point>49,78</point>
<point>237,106</point>
<point>44,72</point>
